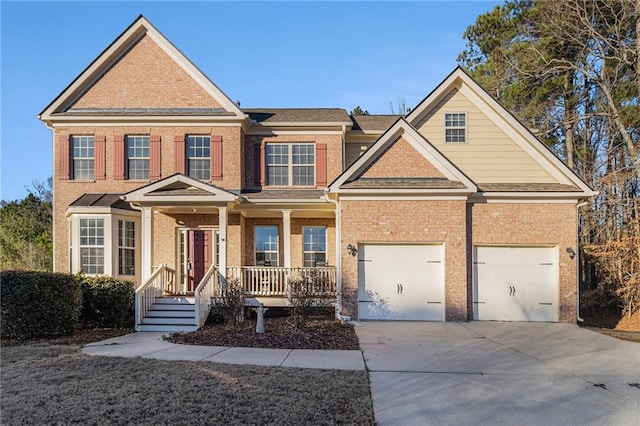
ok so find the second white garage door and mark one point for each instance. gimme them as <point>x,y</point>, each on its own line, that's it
<point>516,283</point>
<point>401,282</point>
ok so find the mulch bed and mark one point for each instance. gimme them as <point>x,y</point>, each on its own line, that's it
<point>612,324</point>
<point>79,338</point>
<point>280,334</point>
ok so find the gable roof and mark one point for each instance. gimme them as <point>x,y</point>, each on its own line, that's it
<point>118,49</point>
<point>454,180</point>
<point>178,189</point>
<point>516,131</point>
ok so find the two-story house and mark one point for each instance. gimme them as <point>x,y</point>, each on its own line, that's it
<point>454,212</point>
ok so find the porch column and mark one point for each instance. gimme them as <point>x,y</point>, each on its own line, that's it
<point>286,233</point>
<point>147,243</point>
<point>222,232</point>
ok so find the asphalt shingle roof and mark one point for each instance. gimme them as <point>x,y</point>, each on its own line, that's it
<point>101,200</point>
<point>298,115</point>
<point>373,122</point>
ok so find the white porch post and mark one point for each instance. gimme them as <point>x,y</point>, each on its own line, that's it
<point>222,232</point>
<point>286,232</point>
<point>147,243</point>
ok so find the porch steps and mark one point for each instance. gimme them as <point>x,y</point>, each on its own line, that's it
<point>171,314</point>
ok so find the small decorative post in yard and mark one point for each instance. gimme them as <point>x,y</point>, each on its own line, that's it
<point>260,322</point>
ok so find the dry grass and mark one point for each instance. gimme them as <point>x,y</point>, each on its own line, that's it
<point>60,385</point>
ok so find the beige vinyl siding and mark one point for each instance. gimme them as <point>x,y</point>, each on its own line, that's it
<point>355,146</point>
<point>489,155</point>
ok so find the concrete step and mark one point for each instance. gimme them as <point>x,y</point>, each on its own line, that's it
<point>169,321</point>
<point>163,313</point>
<point>166,328</point>
<point>173,307</point>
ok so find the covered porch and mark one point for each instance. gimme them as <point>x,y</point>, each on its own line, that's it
<point>195,238</point>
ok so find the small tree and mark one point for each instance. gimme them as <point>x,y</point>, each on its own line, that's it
<point>230,304</point>
<point>359,111</point>
<point>307,293</point>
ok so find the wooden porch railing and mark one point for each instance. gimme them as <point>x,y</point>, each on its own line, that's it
<point>273,281</point>
<point>161,280</point>
<point>204,292</point>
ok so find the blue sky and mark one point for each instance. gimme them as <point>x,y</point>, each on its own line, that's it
<point>264,54</point>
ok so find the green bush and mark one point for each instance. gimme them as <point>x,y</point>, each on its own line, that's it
<point>107,302</point>
<point>38,304</point>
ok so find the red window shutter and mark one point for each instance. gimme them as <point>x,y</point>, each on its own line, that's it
<point>118,157</point>
<point>179,153</point>
<point>155,164</point>
<point>63,157</point>
<point>263,164</point>
<point>100,157</point>
<point>216,157</point>
<point>321,164</point>
<point>256,165</point>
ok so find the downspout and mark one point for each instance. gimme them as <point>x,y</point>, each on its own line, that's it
<point>584,203</point>
<point>338,258</point>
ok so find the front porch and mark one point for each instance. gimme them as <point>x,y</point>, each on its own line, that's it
<point>163,305</point>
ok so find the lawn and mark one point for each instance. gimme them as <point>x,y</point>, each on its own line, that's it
<point>60,385</point>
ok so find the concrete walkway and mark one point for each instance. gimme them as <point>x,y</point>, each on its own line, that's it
<point>151,345</point>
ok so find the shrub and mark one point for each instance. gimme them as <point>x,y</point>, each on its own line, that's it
<point>38,304</point>
<point>309,293</point>
<point>107,302</point>
<point>230,304</point>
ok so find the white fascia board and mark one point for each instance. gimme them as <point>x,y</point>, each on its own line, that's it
<point>274,132</point>
<point>432,98</point>
<point>434,197</point>
<point>286,201</point>
<point>178,200</point>
<point>88,210</point>
<point>527,196</point>
<point>141,120</point>
<point>140,194</point>
<point>404,192</point>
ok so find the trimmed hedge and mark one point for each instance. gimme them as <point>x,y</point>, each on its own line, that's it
<point>38,304</point>
<point>107,302</point>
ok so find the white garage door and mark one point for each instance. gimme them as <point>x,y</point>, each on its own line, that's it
<point>516,283</point>
<point>401,282</point>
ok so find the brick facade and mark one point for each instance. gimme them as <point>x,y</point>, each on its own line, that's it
<point>401,160</point>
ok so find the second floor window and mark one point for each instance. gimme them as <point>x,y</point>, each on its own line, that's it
<point>138,157</point>
<point>199,157</point>
<point>83,156</point>
<point>290,164</point>
<point>455,127</point>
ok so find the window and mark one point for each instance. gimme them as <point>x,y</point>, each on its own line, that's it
<point>266,245</point>
<point>126,247</point>
<point>290,164</point>
<point>83,156</point>
<point>198,157</point>
<point>92,246</point>
<point>138,157</point>
<point>315,246</point>
<point>455,125</point>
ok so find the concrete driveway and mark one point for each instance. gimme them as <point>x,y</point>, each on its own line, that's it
<point>495,373</point>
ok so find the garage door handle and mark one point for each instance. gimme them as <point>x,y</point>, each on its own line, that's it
<point>399,288</point>
<point>512,290</point>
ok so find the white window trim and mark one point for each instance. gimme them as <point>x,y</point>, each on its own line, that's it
<point>326,244</point>
<point>290,166</point>
<point>110,241</point>
<point>74,158</point>
<point>465,127</point>
<point>255,240</point>
<point>188,158</point>
<point>128,158</point>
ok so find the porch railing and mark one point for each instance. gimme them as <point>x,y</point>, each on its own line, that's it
<point>204,292</point>
<point>273,281</point>
<point>161,281</point>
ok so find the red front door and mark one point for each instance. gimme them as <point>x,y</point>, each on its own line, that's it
<point>198,257</point>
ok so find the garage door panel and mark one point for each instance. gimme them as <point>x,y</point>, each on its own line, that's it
<point>403,282</point>
<point>516,283</point>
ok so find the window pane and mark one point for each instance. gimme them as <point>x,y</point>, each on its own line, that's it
<point>315,245</point>
<point>266,245</point>
<point>126,261</point>
<point>82,148</point>
<point>303,154</point>
<point>277,175</point>
<point>303,175</point>
<point>92,260</point>
<point>138,157</point>
<point>198,157</point>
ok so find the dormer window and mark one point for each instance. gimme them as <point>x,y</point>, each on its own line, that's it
<point>455,127</point>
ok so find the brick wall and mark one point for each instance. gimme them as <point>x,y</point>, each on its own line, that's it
<point>408,221</point>
<point>401,160</point>
<point>533,224</point>
<point>146,77</point>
